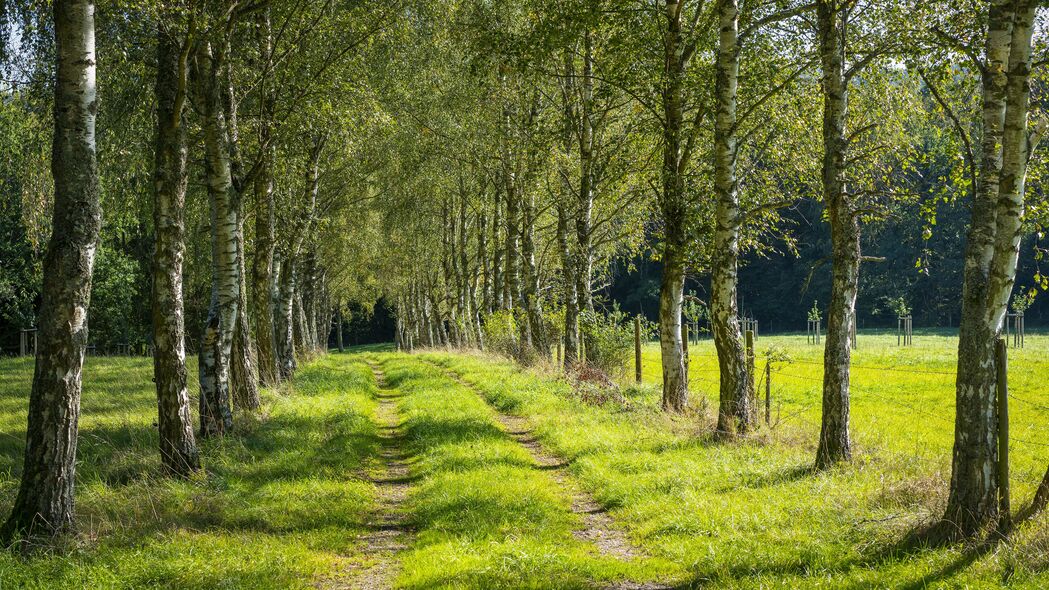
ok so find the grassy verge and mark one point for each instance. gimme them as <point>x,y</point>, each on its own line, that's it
<point>752,513</point>
<point>485,515</point>
<point>280,507</point>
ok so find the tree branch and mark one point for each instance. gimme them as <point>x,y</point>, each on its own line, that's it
<point>970,159</point>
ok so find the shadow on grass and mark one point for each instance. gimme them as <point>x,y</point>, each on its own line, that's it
<point>783,476</point>
<point>361,348</point>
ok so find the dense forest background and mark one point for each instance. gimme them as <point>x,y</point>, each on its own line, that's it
<point>779,288</point>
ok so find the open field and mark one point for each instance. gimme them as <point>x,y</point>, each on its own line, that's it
<point>492,501</point>
<point>902,397</point>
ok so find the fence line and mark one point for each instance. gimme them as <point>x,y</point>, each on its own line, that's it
<point>1028,442</point>
<point>1028,402</point>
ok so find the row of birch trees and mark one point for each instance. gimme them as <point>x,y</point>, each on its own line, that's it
<point>256,115</point>
<point>488,167</point>
<point>567,136</point>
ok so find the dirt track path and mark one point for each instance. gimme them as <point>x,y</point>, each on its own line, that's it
<point>598,527</point>
<point>389,533</point>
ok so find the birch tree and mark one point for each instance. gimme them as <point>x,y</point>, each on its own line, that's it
<point>678,141</point>
<point>44,505</point>
<point>210,65</point>
<point>991,252</point>
<point>849,40</point>
<point>178,449</point>
<point>736,409</point>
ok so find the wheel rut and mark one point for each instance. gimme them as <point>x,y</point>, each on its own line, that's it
<point>389,530</point>
<point>598,527</point>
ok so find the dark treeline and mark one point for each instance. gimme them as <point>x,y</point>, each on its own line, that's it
<point>779,288</point>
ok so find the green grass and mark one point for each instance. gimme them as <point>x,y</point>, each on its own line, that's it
<point>752,513</point>
<point>485,515</point>
<point>281,506</point>
<point>285,501</point>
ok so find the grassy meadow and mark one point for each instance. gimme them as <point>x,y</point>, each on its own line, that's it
<point>283,501</point>
<point>753,513</point>
<point>902,398</point>
<point>286,501</point>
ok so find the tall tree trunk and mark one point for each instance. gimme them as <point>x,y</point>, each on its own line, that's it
<point>467,293</point>
<point>216,349</point>
<point>338,328</point>
<point>310,295</point>
<point>447,262</point>
<point>285,322</point>
<point>735,412</point>
<point>243,375</point>
<point>262,284</point>
<point>486,274</point>
<point>302,343</point>
<point>178,447</point>
<point>990,264</point>
<point>243,372</point>
<point>435,315</point>
<point>512,290</point>
<point>585,206</point>
<point>322,311</point>
<point>835,444</point>
<point>569,263</point>
<point>513,293</point>
<point>530,290</point>
<point>486,264</point>
<point>672,206</point>
<point>498,286</point>
<point>44,505</point>
<point>289,343</point>
<point>571,302</point>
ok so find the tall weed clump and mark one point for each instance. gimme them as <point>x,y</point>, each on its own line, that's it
<point>609,340</point>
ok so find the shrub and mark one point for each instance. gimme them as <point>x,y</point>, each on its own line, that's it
<point>501,333</point>
<point>609,340</point>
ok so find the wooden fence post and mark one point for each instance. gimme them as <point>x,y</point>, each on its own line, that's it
<point>637,349</point>
<point>750,374</point>
<point>768,391</point>
<point>1002,368</point>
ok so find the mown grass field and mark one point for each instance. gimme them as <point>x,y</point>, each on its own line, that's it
<point>902,398</point>
<point>286,501</point>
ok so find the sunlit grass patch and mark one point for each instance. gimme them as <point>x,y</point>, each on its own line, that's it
<point>753,513</point>
<point>282,503</point>
<point>485,515</point>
